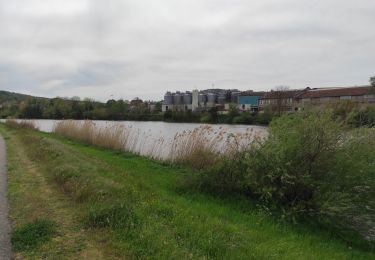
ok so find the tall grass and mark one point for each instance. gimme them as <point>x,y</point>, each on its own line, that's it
<point>21,123</point>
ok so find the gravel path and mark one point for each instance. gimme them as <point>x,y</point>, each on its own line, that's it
<point>5,246</point>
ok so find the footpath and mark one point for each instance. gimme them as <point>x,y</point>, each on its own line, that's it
<point>5,246</point>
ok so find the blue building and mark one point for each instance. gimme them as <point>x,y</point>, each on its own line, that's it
<point>249,101</point>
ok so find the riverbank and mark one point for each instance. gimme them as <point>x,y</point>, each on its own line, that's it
<point>152,139</point>
<point>106,204</point>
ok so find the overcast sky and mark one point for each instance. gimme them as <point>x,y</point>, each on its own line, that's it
<point>142,48</point>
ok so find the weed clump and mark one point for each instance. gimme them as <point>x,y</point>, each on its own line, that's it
<point>118,215</point>
<point>73,184</point>
<point>31,235</point>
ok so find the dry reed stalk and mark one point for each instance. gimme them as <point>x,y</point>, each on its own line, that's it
<point>196,148</point>
<point>21,123</point>
<point>116,137</point>
<point>155,149</point>
<point>202,147</point>
<point>111,137</point>
<point>76,130</point>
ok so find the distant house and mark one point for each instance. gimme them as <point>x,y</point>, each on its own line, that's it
<point>361,94</point>
<point>249,101</point>
<point>282,100</point>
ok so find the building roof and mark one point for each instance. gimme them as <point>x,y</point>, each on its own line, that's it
<point>295,93</point>
<point>337,92</point>
<point>252,93</point>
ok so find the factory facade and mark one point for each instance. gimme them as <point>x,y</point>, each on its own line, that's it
<point>286,101</point>
<point>199,100</point>
<point>249,101</point>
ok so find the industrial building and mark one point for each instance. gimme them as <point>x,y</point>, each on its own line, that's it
<point>274,100</point>
<point>361,94</point>
<point>282,100</point>
<point>199,100</point>
<point>249,101</point>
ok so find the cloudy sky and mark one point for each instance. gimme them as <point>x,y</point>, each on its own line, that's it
<point>129,48</point>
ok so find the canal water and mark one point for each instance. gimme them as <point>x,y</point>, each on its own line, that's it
<point>159,137</point>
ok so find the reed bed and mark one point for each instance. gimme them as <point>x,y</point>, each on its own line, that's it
<point>111,137</point>
<point>21,123</point>
<point>76,130</point>
<point>202,147</point>
<point>198,148</point>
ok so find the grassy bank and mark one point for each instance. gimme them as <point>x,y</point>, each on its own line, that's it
<point>94,203</point>
<point>312,167</point>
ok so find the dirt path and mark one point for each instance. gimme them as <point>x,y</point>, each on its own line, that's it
<point>5,247</point>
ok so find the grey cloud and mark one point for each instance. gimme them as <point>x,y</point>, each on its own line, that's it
<point>130,48</point>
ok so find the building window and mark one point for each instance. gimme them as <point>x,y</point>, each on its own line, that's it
<point>166,108</point>
<point>243,107</point>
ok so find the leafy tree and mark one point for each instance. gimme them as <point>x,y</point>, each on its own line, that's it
<point>372,81</point>
<point>280,93</point>
<point>158,107</point>
<point>232,113</point>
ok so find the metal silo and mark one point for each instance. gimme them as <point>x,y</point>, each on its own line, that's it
<point>222,99</point>
<point>211,98</point>
<point>168,98</point>
<point>234,96</point>
<point>177,98</point>
<point>187,98</point>
<point>202,98</point>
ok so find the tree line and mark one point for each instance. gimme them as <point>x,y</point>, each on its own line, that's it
<point>74,108</point>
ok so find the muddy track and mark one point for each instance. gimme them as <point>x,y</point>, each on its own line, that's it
<point>5,246</point>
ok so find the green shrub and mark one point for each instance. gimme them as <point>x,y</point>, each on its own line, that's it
<point>294,159</point>
<point>343,110</point>
<point>32,235</point>
<point>311,166</point>
<point>244,118</point>
<point>206,119</point>
<point>264,118</point>
<point>347,199</point>
<point>225,177</point>
<point>363,117</point>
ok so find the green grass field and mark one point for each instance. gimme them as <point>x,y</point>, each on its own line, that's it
<point>106,205</point>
